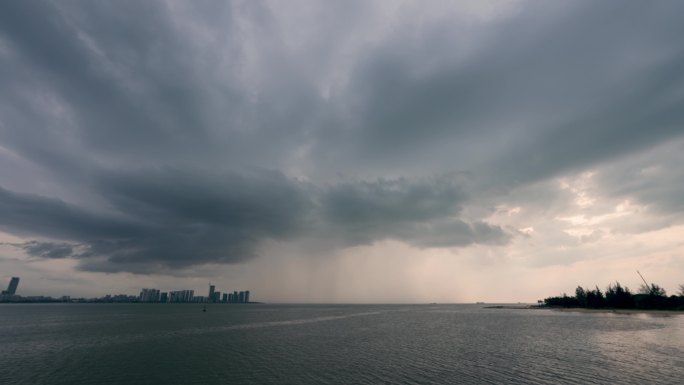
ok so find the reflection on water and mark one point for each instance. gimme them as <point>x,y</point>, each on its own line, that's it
<point>655,350</point>
<point>260,344</point>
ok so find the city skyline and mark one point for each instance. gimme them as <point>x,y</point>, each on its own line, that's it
<point>146,295</point>
<point>342,152</point>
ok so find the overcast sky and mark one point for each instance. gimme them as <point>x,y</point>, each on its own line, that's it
<point>341,151</point>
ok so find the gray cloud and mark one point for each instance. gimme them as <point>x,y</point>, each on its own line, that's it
<point>387,201</point>
<point>166,218</point>
<point>654,178</point>
<point>28,215</point>
<point>422,213</point>
<point>48,250</point>
<point>539,96</point>
<point>163,135</point>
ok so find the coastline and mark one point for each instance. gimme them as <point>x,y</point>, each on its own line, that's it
<point>652,312</point>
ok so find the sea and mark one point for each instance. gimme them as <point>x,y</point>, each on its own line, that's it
<point>334,344</point>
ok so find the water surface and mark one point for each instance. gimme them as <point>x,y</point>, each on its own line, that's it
<point>335,344</point>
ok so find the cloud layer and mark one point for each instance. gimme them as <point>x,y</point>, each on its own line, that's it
<point>158,218</point>
<point>154,136</point>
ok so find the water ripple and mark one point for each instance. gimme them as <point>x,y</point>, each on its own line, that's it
<point>334,345</point>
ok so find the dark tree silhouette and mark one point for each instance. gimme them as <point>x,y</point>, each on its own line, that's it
<point>595,298</point>
<point>581,296</point>
<point>652,290</point>
<point>619,297</point>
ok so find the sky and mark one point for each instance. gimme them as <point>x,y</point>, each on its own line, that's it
<point>341,151</point>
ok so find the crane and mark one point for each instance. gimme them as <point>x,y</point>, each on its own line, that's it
<point>650,288</point>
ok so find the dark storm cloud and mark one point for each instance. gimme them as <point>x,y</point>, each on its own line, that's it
<point>176,218</point>
<point>383,202</point>
<point>97,81</point>
<point>258,202</point>
<point>424,213</point>
<point>132,83</point>
<point>559,87</point>
<point>165,216</point>
<point>169,134</point>
<point>30,215</point>
<point>655,178</point>
<point>48,250</point>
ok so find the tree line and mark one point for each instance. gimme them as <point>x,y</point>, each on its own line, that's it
<point>617,296</point>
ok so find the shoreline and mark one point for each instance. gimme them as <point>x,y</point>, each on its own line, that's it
<point>654,312</point>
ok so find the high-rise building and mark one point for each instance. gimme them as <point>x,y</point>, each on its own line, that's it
<point>211,293</point>
<point>247,296</point>
<point>181,296</point>
<point>241,297</point>
<point>149,295</point>
<point>225,298</point>
<point>230,297</point>
<point>164,297</point>
<point>235,297</point>
<point>12,287</point>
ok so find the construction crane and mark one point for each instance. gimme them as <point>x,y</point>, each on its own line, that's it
<point>650,288</point>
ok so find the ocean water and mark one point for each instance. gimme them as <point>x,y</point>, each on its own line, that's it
<point>333,344</point>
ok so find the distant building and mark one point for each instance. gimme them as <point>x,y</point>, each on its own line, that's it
<point>235,297</point>
<point>216,297</point>
<point>241,297</point>
<point>211,293</point>
<point>164,297</point>
<point>230,297</point>
<point>247,296</point>
<point>181,296</point>
<point>149,295</point>
<point>225,298</point>
<point>12,287</point>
